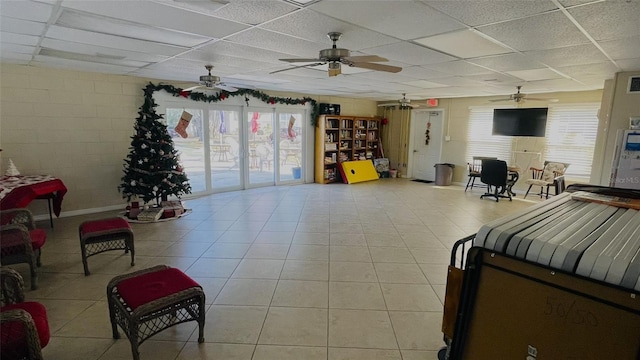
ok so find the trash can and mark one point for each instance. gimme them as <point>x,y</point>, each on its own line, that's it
<point>296,172</point>
<point>444,173</point>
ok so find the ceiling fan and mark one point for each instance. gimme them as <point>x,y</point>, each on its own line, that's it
<point>211,82</point>
<point>335,57</point>
<point>402,103</point>
<point>519,97</point>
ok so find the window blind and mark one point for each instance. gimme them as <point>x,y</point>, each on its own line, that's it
<point>571,137</point>
<point>480,142</point>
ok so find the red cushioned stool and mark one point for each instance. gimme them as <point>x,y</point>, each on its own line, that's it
<point>98,236</point>
<point>148,301</point>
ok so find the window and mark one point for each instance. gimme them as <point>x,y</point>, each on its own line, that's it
<point>571,137</point>
<point>480,142</point>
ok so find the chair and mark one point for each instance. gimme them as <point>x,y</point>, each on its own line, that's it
<point>24,327</point>
<point>474,170</point>
<point>552,174</point>
<point>20,241</point>
<point>494,173</point>
<point>234,151</point>
<point>264,155</point>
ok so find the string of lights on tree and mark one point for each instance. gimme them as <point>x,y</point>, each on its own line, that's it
<point>152,170</point>
<point>222,95</point>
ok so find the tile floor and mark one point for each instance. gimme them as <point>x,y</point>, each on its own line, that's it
<point>332,272</point>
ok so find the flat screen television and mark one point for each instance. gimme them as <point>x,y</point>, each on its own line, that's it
<point>520,122</point>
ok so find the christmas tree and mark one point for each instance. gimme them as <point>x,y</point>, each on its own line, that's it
<point>152,170</point>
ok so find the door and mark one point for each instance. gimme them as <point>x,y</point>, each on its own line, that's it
<point>426,147</point>
<point>261,148</point>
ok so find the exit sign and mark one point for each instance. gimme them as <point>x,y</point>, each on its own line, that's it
<point>432,102</point>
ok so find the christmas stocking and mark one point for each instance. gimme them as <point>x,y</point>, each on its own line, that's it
<point>181,128</point>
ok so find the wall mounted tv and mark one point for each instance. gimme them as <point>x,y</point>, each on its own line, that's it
<point>520,122</point>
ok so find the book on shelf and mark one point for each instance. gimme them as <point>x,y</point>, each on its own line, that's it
<point>330,146</point>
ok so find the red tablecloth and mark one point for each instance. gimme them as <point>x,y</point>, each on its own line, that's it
<point>22,196</point>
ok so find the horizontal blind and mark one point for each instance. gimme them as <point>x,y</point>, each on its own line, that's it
<point>480,142</point>
<point>571,137</point>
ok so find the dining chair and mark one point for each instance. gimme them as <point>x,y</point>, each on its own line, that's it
<point>474,169</point>
<point>552,174</point>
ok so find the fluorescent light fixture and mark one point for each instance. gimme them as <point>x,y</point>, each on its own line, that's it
<point>535,74</point>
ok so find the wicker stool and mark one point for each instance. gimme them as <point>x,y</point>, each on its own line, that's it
<point>98,236</point>
<point>148,301</point>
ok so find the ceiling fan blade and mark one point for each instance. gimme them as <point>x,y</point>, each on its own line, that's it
<point>378,67</point>
<point>365,58</point>
<point>505,99</point>
<point>192,88</point>
<point>226,87</point>
<point>541,99</point>
<point>297,67</point>
<point>299,60</point>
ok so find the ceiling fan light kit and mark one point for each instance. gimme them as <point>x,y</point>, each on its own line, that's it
<point>335,57</point>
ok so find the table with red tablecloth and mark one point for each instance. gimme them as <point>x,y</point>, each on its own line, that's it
<point>19,191</point>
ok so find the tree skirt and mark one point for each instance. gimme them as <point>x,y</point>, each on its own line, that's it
<point>136,221</point>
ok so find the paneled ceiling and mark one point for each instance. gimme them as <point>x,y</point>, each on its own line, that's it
<point>449,48</point>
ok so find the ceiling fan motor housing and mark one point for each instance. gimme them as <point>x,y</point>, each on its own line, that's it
<point>333,54</point>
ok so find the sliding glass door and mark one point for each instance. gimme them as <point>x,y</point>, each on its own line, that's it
<point>226,148</point>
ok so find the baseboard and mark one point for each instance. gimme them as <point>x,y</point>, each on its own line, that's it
<point>81,212</point>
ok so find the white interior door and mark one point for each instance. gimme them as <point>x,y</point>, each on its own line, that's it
<point>425,155</point>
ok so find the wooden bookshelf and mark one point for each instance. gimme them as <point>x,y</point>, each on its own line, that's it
<point>343,138</point>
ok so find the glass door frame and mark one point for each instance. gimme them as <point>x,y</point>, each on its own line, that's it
<point>165,100</point>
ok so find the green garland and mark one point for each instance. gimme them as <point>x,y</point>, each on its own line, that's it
<point>222,95</point>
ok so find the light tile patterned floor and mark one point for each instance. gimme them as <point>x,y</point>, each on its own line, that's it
<point>331,272</point>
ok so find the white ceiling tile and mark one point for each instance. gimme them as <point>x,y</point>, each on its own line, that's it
<point>570,3</point>
<point>457,81</point>
<point>104,25</point>
<point>80,65</point>
<point>567,56</point>
<point>410,53</point>
<point>219,59</point>
<point>254,12</point>
<point>464,44</point>
<point>20,49</point>
<point>225,47</point>
<point>459,67</point>
<point>622,49</point>
<point>20,39</point>
<point>508,62</point>
<point>17,26</point>
<point>539,32</point>
<point>494,78</point>
<point>273,41</point>
<point>535,74</point>
<point>605,70</point>
<point>14,58</point>
<point>567,84</point>
<point>424,84</point>
<point>313,26</point>
<point>112,41</point>
<point>27,10</point>
<point>161,16</point>
<point>402,19</point>
<point>93,50</point>
<point>90,58</point>
<point>609,20</point>
<point>629,64</point>
<point>475,13</point>
<point>422,73</point>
